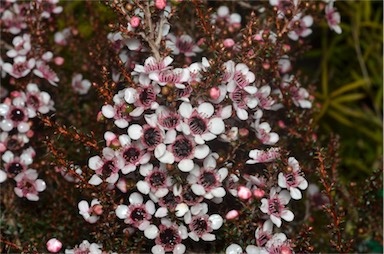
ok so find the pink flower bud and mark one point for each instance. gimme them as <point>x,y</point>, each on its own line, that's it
<point>97,209</point>
<point>15,94</point>
<point>228,43</point>
<point>109,137</point>
<point>2,147</point>
<point>160,4</point>
<point>58,60</point>
<point>201,41</point>
<point>135,21</point>
<point>286,47</point>
<point>243,132</point>
<point>258,193</point>
<point>258,37</point>
<point>244,193</point>
<point>232,215</point>
<point>54,245</point>
<point>281,124</point>
<point>266,66</point>
<point>100,117</point>
<point>30,133</point>
<point>214,92</point>
<point>285,250</point>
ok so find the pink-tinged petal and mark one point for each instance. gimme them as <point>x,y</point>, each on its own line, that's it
<point>3,176</point>
<point>186,165</point>
<point>112,178</point>
<point>206,109</point>
<point>281,180</point>
<point>276,220</point>
<point>179,249</point>
<point>40,185</point>
<point>201,151</point>
<point>137,112</point>
<point>136,198</point>
<point>216,126</point>
<point>208,237</point>
<point>181,209</point>
<point>287,215</point>
<point>122,211</point>
<point>150,206</point>
<point>185,109</point>
<point>18,192</point>
<point>167,61</point>
<point>295,193</point>
<point>193,236</point>
<point>161,212</point>
<point>146,169</point>
<point>284,197</point>
<point>143,187</point>
<point>198,189</point>
<point>95,162</point>
<point>135,131</point>
<point>108,111</point>
<point>143,225</point>
<point>95,180</point>
<point>157,249</point>
<point>216,221</point>
<point>32,197</point>
<point>108,153</point>
<point>303,183</point>
<point>151,232</point>
<point>218,192</point>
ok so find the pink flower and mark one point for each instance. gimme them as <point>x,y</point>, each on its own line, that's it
<point>80,85</point>
<point>54,245</point>
<point>260,156</point>
<point>232,215</point>
<point>42,70</point>
<point>293,180</point>
<point>333,17</point>
<point>27,185</point>
<point>238,76</point>
<point>182,45</point>
<point>244,193</point>
<point>160,4</point>
<point>20,68</point>
<point>303,29</point>
<point>90,213</point>
<point>274,206</point>
<point>135,21</point>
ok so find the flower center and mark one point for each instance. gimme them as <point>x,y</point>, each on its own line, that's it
<point>33,101</point>
<point>147,96</point>
<point>182,148</point>
<point>170,121</point>
<point>138,214</point>
<point>108,167</point>
<point>240,80</point>
<point>191,198</point>
<point>169,238</point>
<point>199,226</point>
<point>170,201</point>
<point>152,137</point>
<point>274,206</point>
<point>197,125</point>
<point>208,179</point>
<point>17,115</point>
<point>290,179</point>
<point>15,168</point>
<point>131,155</point>
<point>184,46</point>
<point>157,179</point>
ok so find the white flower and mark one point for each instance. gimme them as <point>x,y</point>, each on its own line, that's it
<point>182,45</point>
<point>293,180</point>
<point>87,211</point>
<point>80,85</point>
<point>275,206</point>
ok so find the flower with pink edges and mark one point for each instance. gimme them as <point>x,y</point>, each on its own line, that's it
<point>174,77</point>
<point>169,237</point>
<point>333,17</point>
<point>151,65</point>
<point>27,185</point>
<point>54,245</point>
<point>137,214</point>
<point>119,111</point>
<point>16,164</point>
<point>262,156</point>
<point>14,115</point>
<point>242,101</point>
<point>43,71</point>
<point>239,76</point>
<point>303,30</point>
<point>182,45</point>
<point>293,180</point>
<point>156,180</point>
<point>91,212</point>
<point>21,44</point>
<point>80,85</point>
<point>21,67</point>
<point>274,206</point>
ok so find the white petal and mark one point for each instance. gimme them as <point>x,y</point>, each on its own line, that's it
<point>185,109</point>
<point>193,236</point>
<point>201,151</point>
<point>216,126</point>
<point>161,212</point>
<point>151,232</point>
<point>250,89</point>
<point>295,193</point>
<point>186,165</point>
<point>150,206</point>
<point>3,176</point>
<point>40,185</point>
<point>179,249</point>
<point>276,220</point>
<point>181,209</point>
<point>217,221</point>
<point>242,114</point>
<point>287,215</point>
<point>83,206</point>
<point>303,184</point>
<point>135,198</point>
<point>95,180</point>
<point>208,237</point>
<point>143,187</point>
<point>226,112</point>
<point>161,192</point>
<point>198,189</point>
<point>167,158</point>
<point>158,249</point>
<point>23,127</point>
<point>281,180</point>
<point>234,249</point>
<point>218,192</point>
<point>137,112</point>
<point>206,109</point>
<point>160,150</point>
<point>122,211</point>
<point>108,111</point>
<point>135,131</point>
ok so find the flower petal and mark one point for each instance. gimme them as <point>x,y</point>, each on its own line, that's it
<point>216,126</point>
<point>186,165</point>
<point>135,131</point>
<point>206,109</point>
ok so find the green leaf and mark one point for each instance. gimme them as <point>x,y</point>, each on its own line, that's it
<point>340,118</point>
<point>348,111</point>
<point>348,87</point>
<point>349,97</point>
